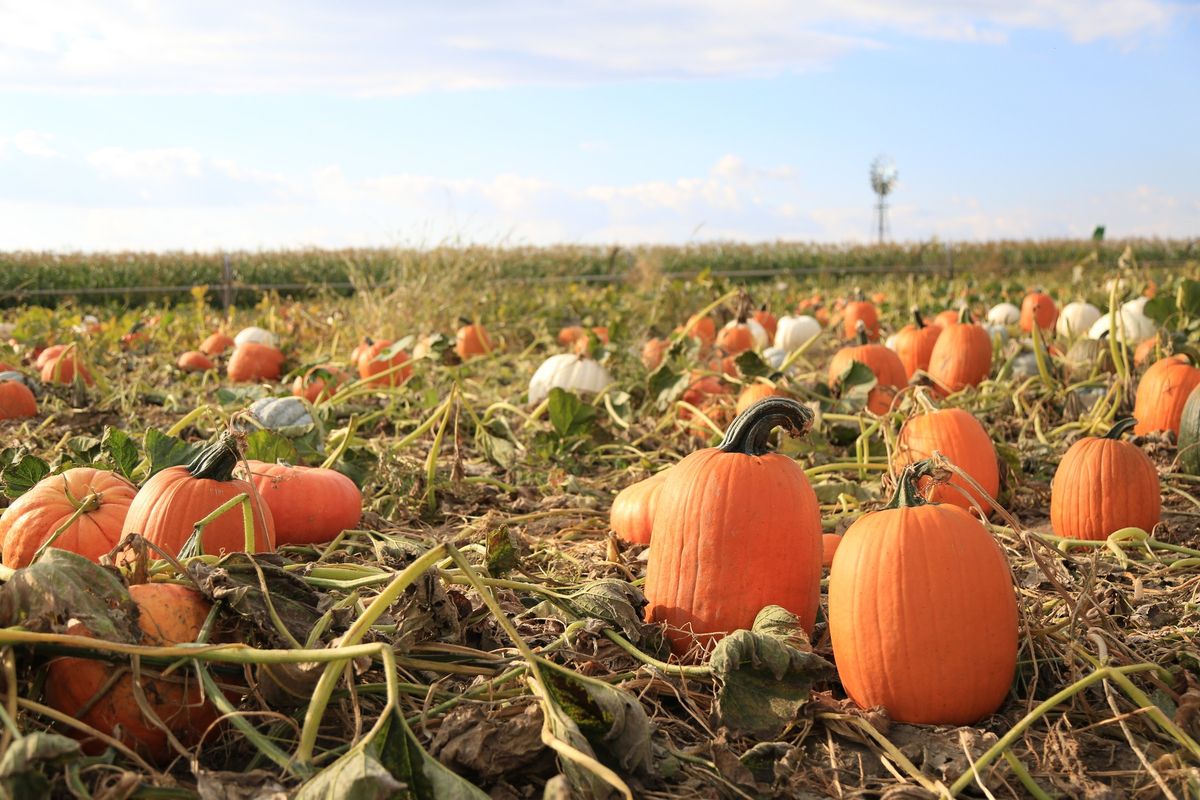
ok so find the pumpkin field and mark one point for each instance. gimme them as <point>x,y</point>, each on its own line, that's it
<point>662,536</point>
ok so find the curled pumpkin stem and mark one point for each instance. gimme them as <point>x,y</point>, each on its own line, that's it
<point>749,432</point>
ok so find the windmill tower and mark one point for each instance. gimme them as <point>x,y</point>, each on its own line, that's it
<point>883,179</point>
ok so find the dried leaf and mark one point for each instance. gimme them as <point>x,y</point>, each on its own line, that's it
<point>63,586</point>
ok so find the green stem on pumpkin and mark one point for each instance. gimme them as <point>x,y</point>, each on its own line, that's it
<point>1121,428</point>
<point>749,432</point>
<point>908,495</point>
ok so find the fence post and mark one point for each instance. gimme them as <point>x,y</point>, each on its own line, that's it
<point>949,261</point>
<point>227,284</point>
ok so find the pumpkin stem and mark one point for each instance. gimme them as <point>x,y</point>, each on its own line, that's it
<point>1122,427</point>
<point>918,320</point>
<point>964,316</point>
<point>749,432</point>
<point>908,493</point>
<point>216,462</point>
<point>861,328</point>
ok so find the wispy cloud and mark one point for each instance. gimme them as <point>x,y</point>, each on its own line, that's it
<point>369,49</point>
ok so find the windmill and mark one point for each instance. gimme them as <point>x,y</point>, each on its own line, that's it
<point>883,179</point>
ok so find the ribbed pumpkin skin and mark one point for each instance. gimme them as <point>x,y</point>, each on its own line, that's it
<point>308,505</point>
<point>732,533</point>
<point>961,357</point>
<point>914,346</point>
<point>170,503</point>
<point>1189,434</point>
<point>922,615</point>
<point>882,361</point>
<point>38,513</point>
<point>16,401</point>
<point>1101,486</point>
<point>860,310</point>
<point>1162,393</point>
<point>168,614</point>
<point>962,439</point>
<point>632,515</point>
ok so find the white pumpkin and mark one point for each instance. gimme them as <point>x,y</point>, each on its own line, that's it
<point>890,342</point>
<point>791,333</point>
<point>757,331</point>
<point>569,372</point>
<point>281,413</point>
<point>1024,366</point>
<point>997,329</point>
<point>256,335</point>
<point>1076,319</point>
<point>1135,325</point>
<point>1004,314</point>
<point>775,356</point>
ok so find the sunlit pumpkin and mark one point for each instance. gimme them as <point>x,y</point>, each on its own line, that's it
<point>319,383</point>
<point>195,361</point>
<point>963,440</point>
<point>253,362</point>
<point>914,344</point>
<point>383,364</point>
<point>216,344</point>
<point>471,340</point>
<point>755,392</point>
<point>961,357</point>
<point>862,311</point>
<point>653,351</point>
<point>1161,394</point>
<point>16,400</point>
<point>1039,308</point>
<point>632,515</point>
<point>63,366</point>
<point>309,505</point>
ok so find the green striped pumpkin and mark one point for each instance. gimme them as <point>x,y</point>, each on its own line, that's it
<point>1189,435</point>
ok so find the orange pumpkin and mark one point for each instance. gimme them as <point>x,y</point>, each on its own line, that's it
<point>472,340</point>
<point>1144,354</point>
<point>864,312</point>
<point>378,358</point>
<point>168,614</point>
<point>914,344</point>
<point>48,353</point>
<point>1104,484</point>
<point>195,361</point>
<point>653,352</point>
<point>1038,307</point>
<point>829,545</point>
<point>755,392</point>
<point>922,613</point>
<point>577,338</point>
<point>319,383</point>
<point>16,400</point>
<point>700,389</point>
<point>252,362</point>
<point>103,496</point>
<point>881,361</point>
<point>961,357</point>
<point>63,366</point>
<point>946,318</point>
<point>216,344</point>
<point>962,439</point>
<point>632,515</point>
<point>309,505</point>
<point>1162,393</point>
<point>168,505</point>
<point>736,528</point>
<point>768,321</point>
<point>702,329</point>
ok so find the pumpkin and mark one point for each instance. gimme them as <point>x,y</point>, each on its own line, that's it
<point>1161,394</point>
<point>1135,326</point>
<point>792,333</point>
<point>864,312</point>
<point>963,440</point>
<point>1024,365</point>
<point>775,356</point>
<point>378,358</point>
<point>63,366</point>
<point>653,352</point>
<point>701,390</point>
<point>829,546</point>
<point>16,400</point>
<point>1039,308</point>
<point>961,357</point>
<point>755,392</point>
<point>216,344</point>
<point>574,373</point>
<point>632,515</point>
<point>1076,319</point>
<point>256,335</point>
<point>1004,314</point>
<point>944,319</point>
<point>1189,434</point>
<point>168,505</point>
<point>309,505</point>
<point>359,349</point>
<point>914,344</point>
<point>287,415</point>
<point>718,412</point>
<point>741,334</point>
<point>319,383</point>
<point>33,517</point>
<point>83,688</point>
<point>922,613</point>
<point>252,362</point>
<point>768,322</point>
<point>886,365</point>
<point>736,528</point>
<point>1104,484</point>
<point>1145,353</point>
<point>48,354</point>
<point>701,328</point>
<point>471,340</point>
<point>195,361</point>
<point>578,338</point>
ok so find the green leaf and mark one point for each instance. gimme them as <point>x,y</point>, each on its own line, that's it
<point>569,415</point>
<point>23,767</point>
<point>666,386</point>
<point>21,475</point>
<point>750,364</point>
<point>611,600</point>
<point>271,447</point>
<point>765,674</point>
<point>498,443</point>
<point>501,551</point>
<point>165,451</point>
<point>242,395</point>
<point>84,448</point>
<point>856,375</point>
<point>122,449</point>
<point>613,721</point>
<point>1188,297</point>
<point>1160,309</point>
<point>63,586</point>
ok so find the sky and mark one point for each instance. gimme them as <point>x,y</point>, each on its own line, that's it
<point>140,125</point>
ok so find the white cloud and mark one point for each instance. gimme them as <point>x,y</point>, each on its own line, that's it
<point>272,46</point>
<point>29,143</point>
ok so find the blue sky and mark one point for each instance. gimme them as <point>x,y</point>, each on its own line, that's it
<point>233,125</point>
